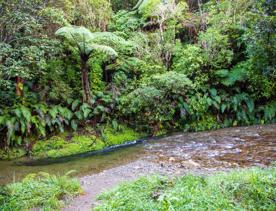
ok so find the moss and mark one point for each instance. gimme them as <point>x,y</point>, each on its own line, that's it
<point>12,153</point>
<point>57,146</point>
<point>121,135</point>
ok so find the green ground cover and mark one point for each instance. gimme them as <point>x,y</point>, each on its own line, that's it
<point>250,189</point>
<point>58,146</point>
<point>40,191</point>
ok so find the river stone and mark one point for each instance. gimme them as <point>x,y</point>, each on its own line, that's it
<point>189,164</point>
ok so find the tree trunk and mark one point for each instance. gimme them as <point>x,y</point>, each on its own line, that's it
<point>19,86</point>
<point>203,25</point>
<point>87,98</point>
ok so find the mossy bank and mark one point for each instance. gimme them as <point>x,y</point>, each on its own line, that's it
<point>70,143</point>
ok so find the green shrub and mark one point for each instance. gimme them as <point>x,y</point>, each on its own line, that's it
<point>125,21</point>
<point>216,48</point>
<point>155,102</point>
<point>40,190</point>
<point>22,122</point>
<point>147,7</point>
<point>207,122</point>
<point>188,60</point>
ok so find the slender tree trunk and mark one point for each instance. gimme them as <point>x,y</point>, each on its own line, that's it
<point>202,21</point>
<point>19,86</point>
<point>87,98</point>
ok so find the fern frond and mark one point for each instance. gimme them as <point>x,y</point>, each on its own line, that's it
<point>87,42</point>
<point>108,38</point>
<point>105,49</point>
<point>75,33</point>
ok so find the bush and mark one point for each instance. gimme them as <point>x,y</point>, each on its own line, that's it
<point>188,60</point>
<point>155,102</point>
<point>21,122</point>
<point>216,49</point>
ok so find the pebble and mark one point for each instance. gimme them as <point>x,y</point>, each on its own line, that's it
<point>172,159</point>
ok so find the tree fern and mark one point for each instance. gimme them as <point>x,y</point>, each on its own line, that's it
<point>87,43</point>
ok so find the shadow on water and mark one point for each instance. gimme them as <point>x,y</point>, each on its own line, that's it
<point>225,148</point>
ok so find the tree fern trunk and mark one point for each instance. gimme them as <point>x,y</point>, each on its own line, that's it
<point>87,98</point>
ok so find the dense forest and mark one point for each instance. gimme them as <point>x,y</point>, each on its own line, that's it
<point>155,66</point>
<point>110,91</point>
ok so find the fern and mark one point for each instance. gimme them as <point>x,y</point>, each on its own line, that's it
<point>87,42</point>
<point>236,74</point>
<point>269,112</point>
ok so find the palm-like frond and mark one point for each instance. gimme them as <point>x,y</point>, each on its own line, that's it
<point>107,36</point>
<point>105,49</point>
<point>87,42</point>
<point>75,33</point>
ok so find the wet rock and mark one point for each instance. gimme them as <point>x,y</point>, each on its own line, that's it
<point>161,155</point>
<point>190,164</point>
<point>172,159</point>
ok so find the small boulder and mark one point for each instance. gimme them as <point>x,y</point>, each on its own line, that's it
<point>189,164</point>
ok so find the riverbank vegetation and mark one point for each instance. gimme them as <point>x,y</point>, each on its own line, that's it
<point>67,143</point>
<point>152,65</point>
<point>38,191</point>
<point>250,189</point>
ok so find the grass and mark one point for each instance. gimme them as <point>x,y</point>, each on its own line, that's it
<point>58,146</point>
<point>41,191</point>
<point>251,189</point>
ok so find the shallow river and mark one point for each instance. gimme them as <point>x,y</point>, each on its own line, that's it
<point>226,148</point>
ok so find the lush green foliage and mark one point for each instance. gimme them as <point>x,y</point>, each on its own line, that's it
<point>156,65</point>
<point>251,189</point>
<point>12,153</point>
<point>87,140</point>
<point>40,190</point>
<point>163,90</point>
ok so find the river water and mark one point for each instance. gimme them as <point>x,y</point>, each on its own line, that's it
<point>225,148</point>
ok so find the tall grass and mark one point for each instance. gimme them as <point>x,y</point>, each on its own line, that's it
<point>251,189</point>
<point>41,191</point>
